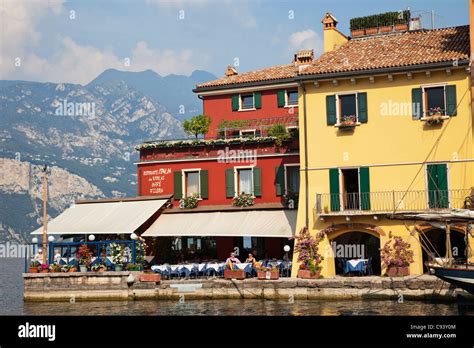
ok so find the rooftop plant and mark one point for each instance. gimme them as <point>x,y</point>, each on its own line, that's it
<point>197,125</point>
<point>381,19</point>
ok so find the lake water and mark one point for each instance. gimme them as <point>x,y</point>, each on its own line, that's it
<point>11,303</point>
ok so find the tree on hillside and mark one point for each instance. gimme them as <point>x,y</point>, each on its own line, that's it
<point>197,125</point>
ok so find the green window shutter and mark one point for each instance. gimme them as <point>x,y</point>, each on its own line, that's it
<point>281,98</point>
<point>280,180</point>
<point>258,100</point>
<point>178,185</point>
<point>204,178</point>
<point>235,102</point>
<point>364,180</point>
<point>331,110</point>
<point>451,100</point>
<point>438,186</point>
<point>334,189</point>
<point>416,103</point>
<point>257,182</point>
<point>229,183</point>
<point>362,114</point>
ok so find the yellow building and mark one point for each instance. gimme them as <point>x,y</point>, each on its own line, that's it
<point>385,127</point>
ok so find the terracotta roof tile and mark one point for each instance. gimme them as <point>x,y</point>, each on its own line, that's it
<point>272,73</point>
<point>395,50</point>
<point>376,52</point>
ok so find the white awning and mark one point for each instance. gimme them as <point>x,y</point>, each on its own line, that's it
<point>254,223</point>
<point>122,217</point>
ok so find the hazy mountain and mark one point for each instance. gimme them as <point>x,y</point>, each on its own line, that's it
<point>86,134</point>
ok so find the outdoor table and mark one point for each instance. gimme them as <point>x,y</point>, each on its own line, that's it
<point>160,268</point>
<point>355,265</point>
<point>202,267</point>
<point>212,267</point>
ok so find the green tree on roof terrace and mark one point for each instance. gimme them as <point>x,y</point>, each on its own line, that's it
<point>197,125</point>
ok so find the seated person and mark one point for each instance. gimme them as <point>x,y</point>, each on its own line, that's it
<point>251,259</point>
<point>229,263</point>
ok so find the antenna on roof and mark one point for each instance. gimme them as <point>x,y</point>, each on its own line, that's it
<point>432,19</point>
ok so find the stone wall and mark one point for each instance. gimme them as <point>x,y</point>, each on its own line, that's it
<point>126,286</point>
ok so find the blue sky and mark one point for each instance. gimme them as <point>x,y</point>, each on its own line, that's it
<point>74,41</point>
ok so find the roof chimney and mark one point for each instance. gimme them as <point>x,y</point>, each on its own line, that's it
<point>230,71</point>
<point>333,38</point>
<point>302,59</point>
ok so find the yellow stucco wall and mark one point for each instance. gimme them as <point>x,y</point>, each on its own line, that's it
<point>391,144</point>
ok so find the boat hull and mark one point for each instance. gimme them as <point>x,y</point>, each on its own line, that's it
<point>460,277</point>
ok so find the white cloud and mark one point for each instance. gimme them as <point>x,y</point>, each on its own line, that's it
<point>305,39</point>
<point>72,62</point>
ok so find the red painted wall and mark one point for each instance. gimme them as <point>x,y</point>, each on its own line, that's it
<point>158,179</point>
<point>219,108</point>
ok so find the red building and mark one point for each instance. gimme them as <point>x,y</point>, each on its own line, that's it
<point>251,148</point>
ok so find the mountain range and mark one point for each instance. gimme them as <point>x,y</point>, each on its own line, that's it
<point>86,135</point>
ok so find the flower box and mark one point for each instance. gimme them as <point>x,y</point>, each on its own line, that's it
<point>393,271</point>
<point>401,27</point>
<point>33,269</point>
<point>434,120</point>
<point>268,275</point>
<point>234,274</point>
<point>386,29</point>
<point>306,274</point>
<point>358,32</point>
<point>347,125</point>
<point>371,31</point>
<point>150,277</point>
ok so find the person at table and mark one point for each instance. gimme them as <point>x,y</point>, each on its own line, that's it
<point>229,263</point>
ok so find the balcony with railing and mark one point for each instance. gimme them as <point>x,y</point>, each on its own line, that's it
<point>333,204</point>
<point>259,127</point>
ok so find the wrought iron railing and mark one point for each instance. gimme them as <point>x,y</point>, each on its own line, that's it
<point>389,201</point>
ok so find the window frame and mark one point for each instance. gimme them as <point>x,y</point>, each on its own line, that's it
<point>285,165</point>
<point>247,131</point>
<point>338,107</point>
<point>424,100</point>
<point>184,180</point>
<point>237,178</point>
<point>241,104</point>
<point>287,98</point>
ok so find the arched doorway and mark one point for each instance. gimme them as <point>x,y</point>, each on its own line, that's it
<point>356,245</point>
<point>436,239</point>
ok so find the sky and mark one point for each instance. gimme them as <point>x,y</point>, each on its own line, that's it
<point>74,41</point>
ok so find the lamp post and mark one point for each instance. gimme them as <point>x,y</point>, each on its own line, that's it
<point>286,249</point>
<point>45,190</point>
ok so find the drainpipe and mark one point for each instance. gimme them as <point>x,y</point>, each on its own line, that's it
<point>305,141</point>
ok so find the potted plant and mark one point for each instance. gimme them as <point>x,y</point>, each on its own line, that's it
<point>189,202</point>
<point>372,26</point>
<point>397,257</point>
<point>265,273</point>
<point>68,269</point>
<point>99,267</point>
<point>117,256</point>
<point>84,257</point>
<point>401,21</point>
<point>55,267</point>
<point>244,200</point>
<point>435,116</point>
<point>307,248</point>
<point>43,268</point>
<point>357,28</point>
<point>234,274</point>
<point>34,266</point>
<point>348,121</point>
<point>134,267</point>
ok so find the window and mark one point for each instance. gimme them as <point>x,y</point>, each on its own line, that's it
<point>247,242</point>
<point>347,109</point>
<point>191,183</point>
<point>292,179</point>
<point>291,98</point>
<point>244,181</point>
<point>247,101</point>
<point>434,101</point>
<point>349,189</point>
<point>248,133</point>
